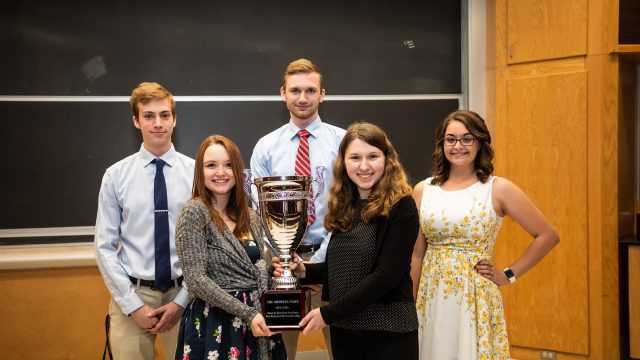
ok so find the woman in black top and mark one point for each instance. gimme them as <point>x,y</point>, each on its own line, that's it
<point>366,275</point>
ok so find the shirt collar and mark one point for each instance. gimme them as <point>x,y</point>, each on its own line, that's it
<point>169,157</point>
<point>313,128</point>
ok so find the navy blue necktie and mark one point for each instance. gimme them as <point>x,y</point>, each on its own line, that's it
<point>163,262</point>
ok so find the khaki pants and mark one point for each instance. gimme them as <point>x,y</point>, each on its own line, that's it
<point>130,342</point>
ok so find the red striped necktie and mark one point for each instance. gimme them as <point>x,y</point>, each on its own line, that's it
<point>303,167</point>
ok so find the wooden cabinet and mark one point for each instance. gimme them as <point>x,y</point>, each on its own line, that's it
<point>546,156</point>
<point>553,102</point>
<point>546,29</point>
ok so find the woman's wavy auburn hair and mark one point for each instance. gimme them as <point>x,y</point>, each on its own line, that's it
<point>237,209</point>
<point>389,189</point>
<point>478,129</point>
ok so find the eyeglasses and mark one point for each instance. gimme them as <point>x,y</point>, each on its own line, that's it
<point>465,140</point>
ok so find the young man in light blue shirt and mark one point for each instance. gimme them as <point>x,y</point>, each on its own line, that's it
<point>275,155</point>
<point>126,234</point>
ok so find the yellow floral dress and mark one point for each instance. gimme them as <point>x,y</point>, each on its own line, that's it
<point>460,312</point>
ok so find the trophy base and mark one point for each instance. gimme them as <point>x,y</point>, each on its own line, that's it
<point>283,309</point>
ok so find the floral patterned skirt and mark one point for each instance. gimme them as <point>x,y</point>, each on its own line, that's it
<point>460,313</point>
<point>210,333</point>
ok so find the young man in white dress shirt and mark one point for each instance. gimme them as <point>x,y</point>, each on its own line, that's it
<point>125,235</point>
<point>275,155</point>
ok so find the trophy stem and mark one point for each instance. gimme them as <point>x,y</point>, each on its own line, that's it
<point>287,281</point>
<point>286,265</point>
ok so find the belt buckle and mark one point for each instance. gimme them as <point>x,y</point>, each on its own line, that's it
<point>172,284</point>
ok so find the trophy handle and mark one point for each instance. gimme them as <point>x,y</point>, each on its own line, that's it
<point>248,181</point>
<point>320,180</point>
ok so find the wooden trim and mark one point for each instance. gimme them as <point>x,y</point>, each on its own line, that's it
<point>626,49</point>
<point>602,26</point>
<point>50,256</point>
<point>547,67</point>
<point>518,352</point>
<point>614,17</point>
<point>602,200</point>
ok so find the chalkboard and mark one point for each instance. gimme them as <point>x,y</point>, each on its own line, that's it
<point>59,151</point>
<point>55,152</point>
<point>228,47</point>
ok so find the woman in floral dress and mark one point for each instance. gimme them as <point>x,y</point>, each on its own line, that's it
<point>219,243</point>
<point>461,209</point>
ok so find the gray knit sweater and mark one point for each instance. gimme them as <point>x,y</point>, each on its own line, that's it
<point>215,263</point>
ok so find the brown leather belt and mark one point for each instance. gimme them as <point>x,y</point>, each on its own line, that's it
<point>152,284</point>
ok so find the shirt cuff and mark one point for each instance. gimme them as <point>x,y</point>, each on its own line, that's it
<point>182,298</point>
<point>130,304</point>
<point>247,317</point>
<point>326,315</point>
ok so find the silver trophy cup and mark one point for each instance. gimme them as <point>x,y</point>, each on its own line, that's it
<point>282,203</point>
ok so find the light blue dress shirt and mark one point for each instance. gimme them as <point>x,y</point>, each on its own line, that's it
<point>124,233</point>
<point>275,155</point>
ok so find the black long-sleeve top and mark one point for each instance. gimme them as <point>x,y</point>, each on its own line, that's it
<point>390,280</point>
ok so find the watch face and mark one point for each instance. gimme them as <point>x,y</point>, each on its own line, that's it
<point>509,274</point>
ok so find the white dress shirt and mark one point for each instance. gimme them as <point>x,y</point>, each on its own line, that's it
<point>124,233</point>
<point>275,155</point>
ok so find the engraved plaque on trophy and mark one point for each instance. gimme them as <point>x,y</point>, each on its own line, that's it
<point>282,204</point>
